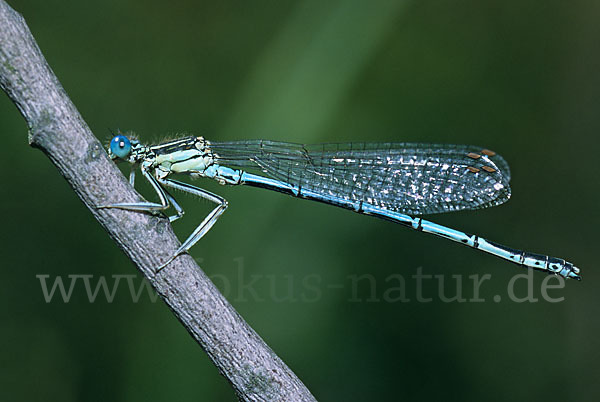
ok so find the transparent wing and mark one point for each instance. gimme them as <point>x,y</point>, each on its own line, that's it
<point>409,178</point>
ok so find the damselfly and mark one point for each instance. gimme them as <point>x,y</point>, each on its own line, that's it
<point>394,181</point>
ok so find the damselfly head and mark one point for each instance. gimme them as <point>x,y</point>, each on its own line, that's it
<point>122,147</point>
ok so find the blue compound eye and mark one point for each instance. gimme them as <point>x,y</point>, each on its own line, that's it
<point>120,146</point>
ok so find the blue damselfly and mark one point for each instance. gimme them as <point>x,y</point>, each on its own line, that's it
<point>394,181</point>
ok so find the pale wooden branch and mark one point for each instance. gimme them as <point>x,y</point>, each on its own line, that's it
<point>56,128</point>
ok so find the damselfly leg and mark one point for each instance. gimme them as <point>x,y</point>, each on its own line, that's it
<point>144,206</point>
<point>166,199</point>
<point>153,207</point>
<point>206,224</point>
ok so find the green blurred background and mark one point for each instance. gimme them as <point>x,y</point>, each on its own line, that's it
<point>519,77</point>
